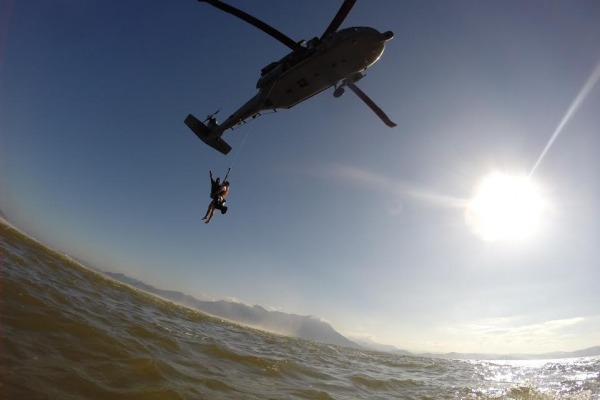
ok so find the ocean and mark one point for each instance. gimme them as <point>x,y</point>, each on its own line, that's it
<point>67,332</point>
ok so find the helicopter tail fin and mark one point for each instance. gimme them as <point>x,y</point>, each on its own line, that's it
<point>204,133</point>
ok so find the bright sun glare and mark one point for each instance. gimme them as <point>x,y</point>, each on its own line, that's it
<point>505,208</point>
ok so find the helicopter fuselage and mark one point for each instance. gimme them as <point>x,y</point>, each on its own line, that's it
<point>312,68</point>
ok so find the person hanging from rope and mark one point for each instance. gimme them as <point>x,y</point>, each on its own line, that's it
<point>218,192</point>
<point>218,203</point>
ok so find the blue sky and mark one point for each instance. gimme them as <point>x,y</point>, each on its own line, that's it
<point>331,213</point>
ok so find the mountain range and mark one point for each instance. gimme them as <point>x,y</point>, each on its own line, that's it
<point>306,327</point>
<point>589,352</point>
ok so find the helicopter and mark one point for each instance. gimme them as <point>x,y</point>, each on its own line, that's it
<point>336,59</point>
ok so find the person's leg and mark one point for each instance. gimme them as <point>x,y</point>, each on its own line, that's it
<point>208,210</point>
<point>210,213</point>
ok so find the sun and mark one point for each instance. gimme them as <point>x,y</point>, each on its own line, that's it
<point>505,208</point>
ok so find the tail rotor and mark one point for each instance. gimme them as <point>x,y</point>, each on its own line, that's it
<point>211,121</point>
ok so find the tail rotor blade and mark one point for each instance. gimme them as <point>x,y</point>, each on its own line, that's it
<point>209,116</point>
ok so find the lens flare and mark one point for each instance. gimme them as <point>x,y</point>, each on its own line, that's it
<point>583,93</point>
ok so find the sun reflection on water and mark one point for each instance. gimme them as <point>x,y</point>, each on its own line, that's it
<point>573,379</point>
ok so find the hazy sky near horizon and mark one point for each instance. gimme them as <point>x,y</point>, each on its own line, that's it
<point>331,213</point>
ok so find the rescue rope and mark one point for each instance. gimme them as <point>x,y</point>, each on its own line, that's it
<point>237,153</point>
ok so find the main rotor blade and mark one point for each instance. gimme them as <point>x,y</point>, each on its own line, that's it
<point>339,17</point>
<point>268,29</point>
<point>386,120</point>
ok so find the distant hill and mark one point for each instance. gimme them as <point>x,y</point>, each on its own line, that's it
<point>589,352</point>
<point>385,348</point>
<point>305,327</point>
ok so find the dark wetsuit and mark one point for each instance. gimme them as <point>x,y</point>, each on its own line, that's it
<point>214,188</point>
